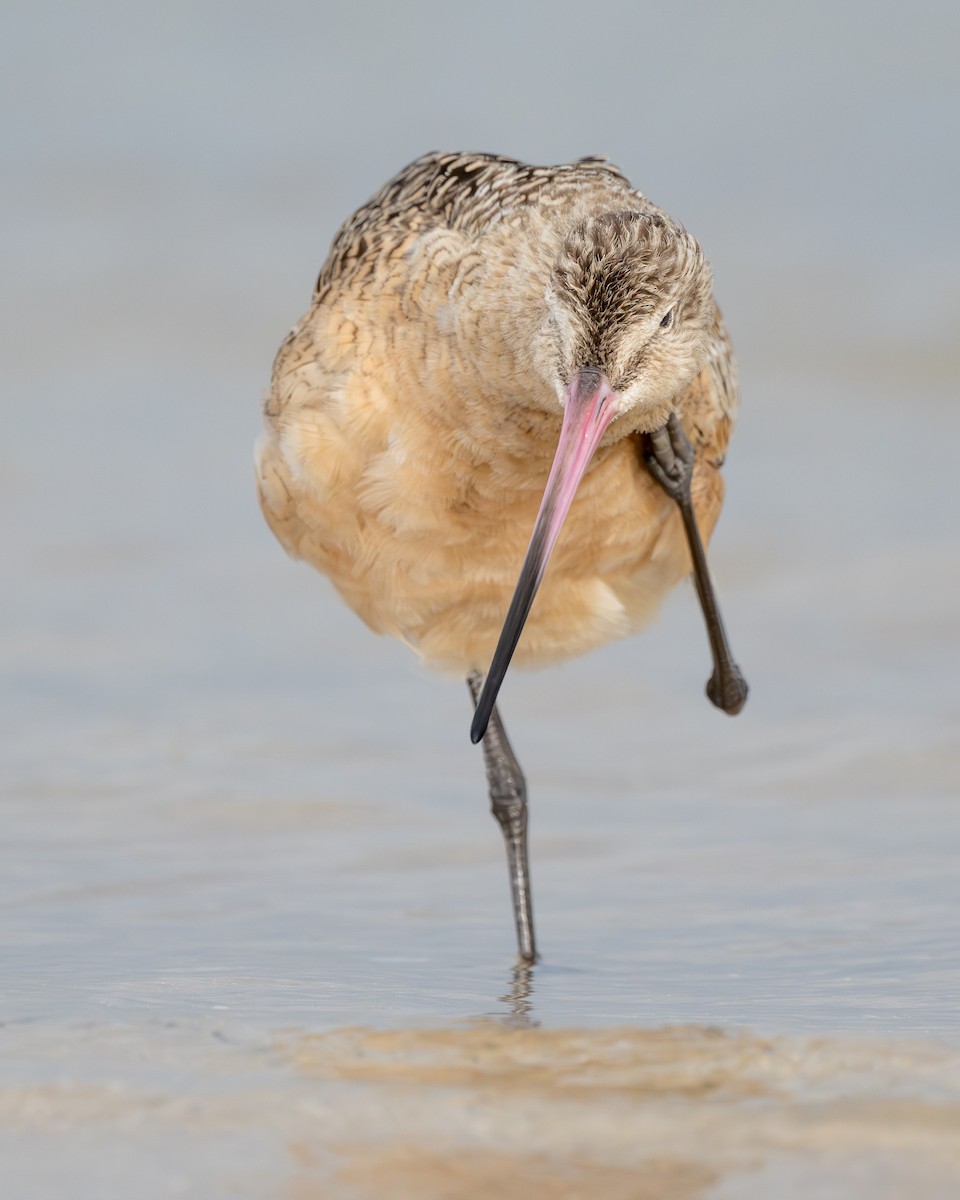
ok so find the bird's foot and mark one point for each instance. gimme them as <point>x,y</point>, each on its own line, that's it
<point>728,689</point>
<point>668,457</point>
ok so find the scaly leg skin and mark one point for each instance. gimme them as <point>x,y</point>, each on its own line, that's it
<point>668,456</point>
<point>508,802</point>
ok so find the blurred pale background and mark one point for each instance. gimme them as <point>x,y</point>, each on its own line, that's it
<point>221,794</point>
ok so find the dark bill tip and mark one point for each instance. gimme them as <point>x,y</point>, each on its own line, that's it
<point>527,585</point>
<point>589,407</point>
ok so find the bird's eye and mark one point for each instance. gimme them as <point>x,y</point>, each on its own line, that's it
<point>667,319</point>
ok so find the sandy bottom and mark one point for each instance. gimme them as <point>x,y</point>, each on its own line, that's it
<point>485,1110</point>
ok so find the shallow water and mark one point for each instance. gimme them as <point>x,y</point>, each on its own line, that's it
<point>236,823</point>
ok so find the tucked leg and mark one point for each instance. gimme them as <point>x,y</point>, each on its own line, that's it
<point>669,458</point>
<point>508,802</point>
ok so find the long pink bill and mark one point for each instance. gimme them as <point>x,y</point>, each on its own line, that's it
<point>589,408</point>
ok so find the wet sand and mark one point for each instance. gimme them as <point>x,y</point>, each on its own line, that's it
<point>481,1110</point>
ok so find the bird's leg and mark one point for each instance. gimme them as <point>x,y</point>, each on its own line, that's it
<point>668,456</point>
<point>508,802</point>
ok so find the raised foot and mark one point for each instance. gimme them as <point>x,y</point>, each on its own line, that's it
<point>728,691</point>
<point>668,457</point>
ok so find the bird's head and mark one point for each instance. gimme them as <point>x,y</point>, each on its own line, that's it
<point>625,329</point>
<point>630,298</point>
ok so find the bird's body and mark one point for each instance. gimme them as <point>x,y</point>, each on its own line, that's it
<point>407,443</point>
<point>476,321</point>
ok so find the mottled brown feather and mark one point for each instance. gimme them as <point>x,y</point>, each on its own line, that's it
<point>413,412</point>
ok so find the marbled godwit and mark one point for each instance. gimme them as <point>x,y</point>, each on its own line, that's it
<point>476,320</point>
